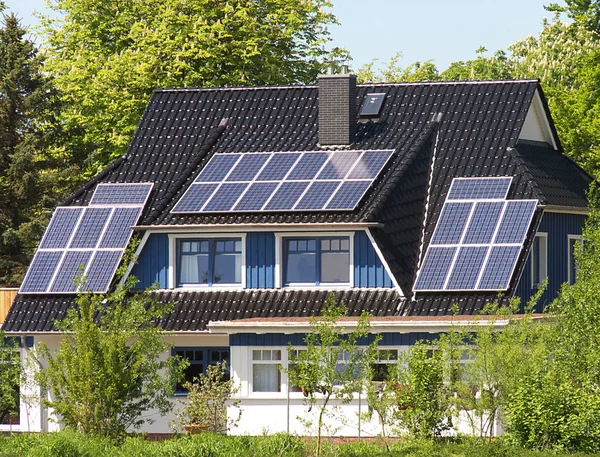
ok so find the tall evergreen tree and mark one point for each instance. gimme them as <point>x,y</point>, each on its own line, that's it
<point>26,101</point>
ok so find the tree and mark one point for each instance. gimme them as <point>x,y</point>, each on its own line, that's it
<point>10,370</point>
<point>393,71</point>
<point>333,364</point>
<point>107,57</point>
<point>27,100</point>
<point>110,368</point>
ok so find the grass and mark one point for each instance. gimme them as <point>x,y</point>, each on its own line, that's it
<point>72,444</point>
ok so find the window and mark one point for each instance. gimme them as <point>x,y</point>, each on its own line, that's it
<point>316,261</point>
<point>575,242</point>
<point>266,376</point>
<point>381,367</point>
<point>199,358</point>
<point>209,262</point>
<point>539,259</point>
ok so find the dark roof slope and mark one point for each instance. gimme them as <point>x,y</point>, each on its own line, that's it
<point>193,310</point>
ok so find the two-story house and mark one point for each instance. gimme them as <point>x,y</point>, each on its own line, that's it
<point>254,204</point>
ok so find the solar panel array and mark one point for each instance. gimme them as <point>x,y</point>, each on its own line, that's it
<point>88,241</point>
<point>477,239</point>
<point>283,181</point>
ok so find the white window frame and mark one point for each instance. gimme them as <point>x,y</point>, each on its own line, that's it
<point>279,236</point>
<point>172,276</point>
<point>283,387</point>
<point>543,266</point>
<point>570,255</point>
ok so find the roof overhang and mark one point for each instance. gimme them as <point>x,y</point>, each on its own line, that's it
<point>565,210</point>
<point>392,324</point>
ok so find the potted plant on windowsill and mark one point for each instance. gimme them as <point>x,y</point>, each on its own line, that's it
<point>209,396</point>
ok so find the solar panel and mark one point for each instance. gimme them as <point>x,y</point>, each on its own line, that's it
<point>89,240</point>
<point>283,181</point>
<point>479,188</point>
<point>372,105</point>
<point>121,194</point>
<point>485,231</point>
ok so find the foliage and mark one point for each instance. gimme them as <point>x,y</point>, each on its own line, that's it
<point>208,397</point>
<point>27,102</point>
<point>333,364</point>
<point>109,368</point>
<point>393,71</point>
<point>422,397</point>
<point>10,370</point>
<point>172,43</point>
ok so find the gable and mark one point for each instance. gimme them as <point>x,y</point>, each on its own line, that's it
<point>537,125</point>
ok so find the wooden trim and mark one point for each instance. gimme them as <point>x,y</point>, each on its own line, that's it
<point>6,298</point>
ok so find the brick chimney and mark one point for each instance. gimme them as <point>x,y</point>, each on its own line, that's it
<point>337,109</point>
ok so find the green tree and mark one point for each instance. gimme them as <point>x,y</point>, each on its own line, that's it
<point>10,370</point>
<point>334,363</point>
<point>393,71</point>
<point>110,368</point>
<point>27,100</point>
<point>107,57</point>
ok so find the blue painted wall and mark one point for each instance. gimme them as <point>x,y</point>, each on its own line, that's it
<point>558,226</point>
<point>368,269</point>
<point>153,263</point>
<point>297,339</point>
<point>260,260</point>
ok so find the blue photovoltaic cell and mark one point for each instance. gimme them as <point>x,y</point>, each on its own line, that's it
<point>40,271</point>
<point>73,264</point>
<point>195,198</point>
<point>339,165</point>
<point>121,194</point>
<point>286,195</point>
<point>308,166</point>
<point>217,168</point>
<point>61,227</point>
<point>248,167</point>
<point>256,196</point>
<point>225,197</point>
<point>479,188</point>
<point>483,222</point>
<point>90,228</point>
<point>370,164</point>
<point>279,166</point>
<point>118,231</point>
<point>348,195</point>
<point>499,268</point>
<point>467,267</point>
<point>317,195</point>
<point>432,275</point>
<point>101,270</point>
<point>515,222</point>
<point>451,223</point>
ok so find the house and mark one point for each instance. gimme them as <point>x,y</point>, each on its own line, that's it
<point>408,201</point>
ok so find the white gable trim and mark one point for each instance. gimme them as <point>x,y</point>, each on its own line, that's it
<point>536,126</point>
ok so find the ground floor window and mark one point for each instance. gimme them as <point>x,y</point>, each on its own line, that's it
<point>199,358</point>
<point>575,241</point>
<point>539,259</point>
<point>385,359</point>
<point>266,376</point>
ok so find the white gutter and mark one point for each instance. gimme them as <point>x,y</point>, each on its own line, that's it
<point>257,227</point>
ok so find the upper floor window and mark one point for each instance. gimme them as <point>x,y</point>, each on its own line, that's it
<point>575,242</point>
<point>209,261</point>
<point>316,261</point>
<point>539,259</point>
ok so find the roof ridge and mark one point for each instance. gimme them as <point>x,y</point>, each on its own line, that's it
<point>523,168</point>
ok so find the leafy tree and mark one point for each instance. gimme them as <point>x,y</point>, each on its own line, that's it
<point>393,71</point>
<point>109,368</point>
<point>333,364</point>
<point>10,370</point>
<point>27,101</point>
<point>585,13</point>
<point>108,56</point>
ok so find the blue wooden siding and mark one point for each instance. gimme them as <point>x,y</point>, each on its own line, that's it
<point>260,260</point>
<point>368,269</point>
<point>297,339</point>
<point>153,263</point>
<point>558,226</point>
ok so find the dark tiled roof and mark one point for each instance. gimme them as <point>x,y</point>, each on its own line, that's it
<point>193,310</point>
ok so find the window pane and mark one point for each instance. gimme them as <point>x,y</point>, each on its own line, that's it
<point>199,355</point>
<point>345,244</point>
<point>335,245</point>
<point>325,245</point>
<point>228,268</point>
<point>266,378</point>
<point>335,267</point>
<point>256,354</point>
<point>301,267</point>
<point>276,355</point>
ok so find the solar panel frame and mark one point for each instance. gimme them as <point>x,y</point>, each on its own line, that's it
<point>121,194</point>
<point>283,168</point>
<point>63,223</point>
<point>495,188</point>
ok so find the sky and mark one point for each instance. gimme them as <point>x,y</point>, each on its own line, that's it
<point>444,31</point>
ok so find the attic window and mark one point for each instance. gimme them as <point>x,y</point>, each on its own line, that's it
<point>371,107</point>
